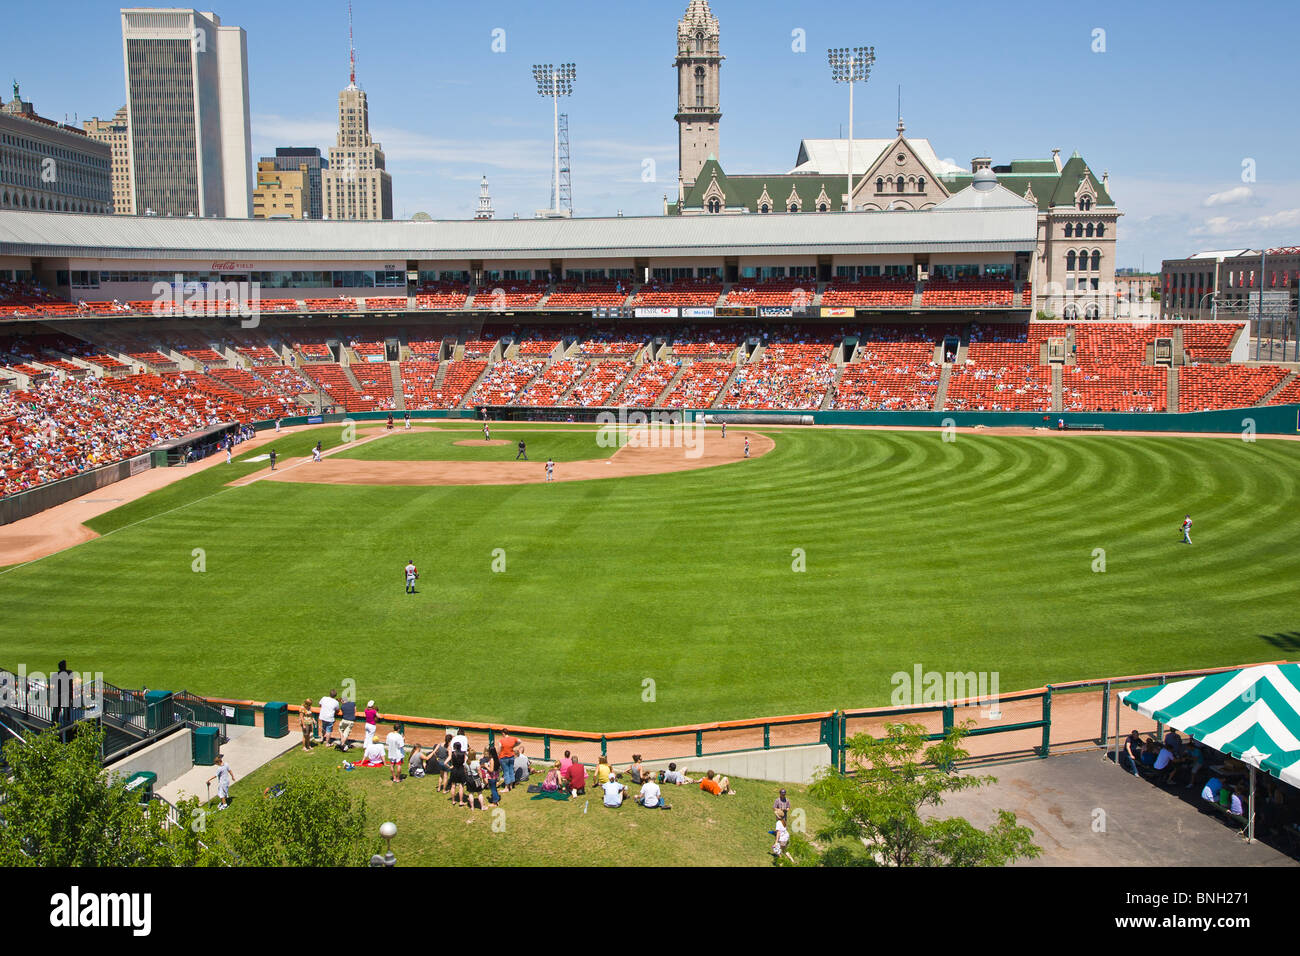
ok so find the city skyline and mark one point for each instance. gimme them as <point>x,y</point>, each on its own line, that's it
<point>450,112</point>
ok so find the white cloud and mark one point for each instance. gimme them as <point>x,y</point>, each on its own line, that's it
<point>1230,197</point>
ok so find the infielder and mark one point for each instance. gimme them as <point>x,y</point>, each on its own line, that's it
<point>1187,529</point>
<point>315,452</point>
<point>406,417</point>
<point>412,575</point>
<point>487,432</point>
<point>550,470</point>
<point>724,429</point>
<point>746,446</point>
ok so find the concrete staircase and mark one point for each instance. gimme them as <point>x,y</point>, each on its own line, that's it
<point>1171,390</point>
<point>399,395</point>
<point>672,383</point>
<point>721,400</point>
<point>618,390</point>
<point>941,393</point>
<point>831,392</point>
<point>1273,392</point>
<point>1058,387</point>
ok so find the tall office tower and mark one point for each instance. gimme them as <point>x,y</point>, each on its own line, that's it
<point>188,114</point>
<point>356,185</point>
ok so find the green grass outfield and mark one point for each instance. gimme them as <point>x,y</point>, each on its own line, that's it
<point>975,555</point>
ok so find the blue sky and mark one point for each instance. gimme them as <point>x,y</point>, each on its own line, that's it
<point>1174,104</point>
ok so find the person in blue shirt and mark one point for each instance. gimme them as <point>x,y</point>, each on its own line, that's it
<point>1211,790</point>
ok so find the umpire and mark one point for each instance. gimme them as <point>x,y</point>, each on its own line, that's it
<point>523,451</point>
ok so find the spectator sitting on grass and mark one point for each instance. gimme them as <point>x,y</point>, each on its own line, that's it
<point>604,772</point>
<point>716,785</point>
<point>415,767</point>
<point>522,766</point>
<point>576,777</point>
<point>675,776</point>
<point>563,765</point>
<point>636,773</point>
<point>614,792</point>
<point>650,796</point>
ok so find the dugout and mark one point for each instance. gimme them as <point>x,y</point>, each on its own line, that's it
<point>192,447</point>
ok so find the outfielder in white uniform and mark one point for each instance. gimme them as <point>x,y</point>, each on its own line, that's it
<point>1187,529</point>
<point>412,575</point>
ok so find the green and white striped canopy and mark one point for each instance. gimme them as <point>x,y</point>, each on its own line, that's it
<point>1252,714</point>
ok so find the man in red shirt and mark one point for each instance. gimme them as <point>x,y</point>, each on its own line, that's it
<point>577,777</point>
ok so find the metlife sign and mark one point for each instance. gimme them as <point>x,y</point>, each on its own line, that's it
<point>697,312</point>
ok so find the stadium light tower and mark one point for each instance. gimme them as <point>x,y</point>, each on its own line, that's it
<point>851,65</point>
<point>555,81</point>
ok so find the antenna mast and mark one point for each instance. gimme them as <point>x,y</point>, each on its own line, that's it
<point>352,52</point>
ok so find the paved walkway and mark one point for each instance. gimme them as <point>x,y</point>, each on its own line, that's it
<point>246,750</point>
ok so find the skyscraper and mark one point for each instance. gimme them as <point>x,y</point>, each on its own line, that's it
<point>699,99</point>
<point>188,113</point>
<point>356,185</point>
<point>116,133</point>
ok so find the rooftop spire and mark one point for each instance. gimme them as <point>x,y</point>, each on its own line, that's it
<point>352,52</point>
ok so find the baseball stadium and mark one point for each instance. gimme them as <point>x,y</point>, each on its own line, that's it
<point>718,492</point>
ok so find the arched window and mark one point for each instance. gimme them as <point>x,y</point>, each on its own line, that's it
<point>880,185</point>
<point>765,208</point>
<point>1085,203</point>
<point>1069,261</point>
<point>699,86</point>
<point>699,43</point>
<point>1089,228</point>
<point>1070,312</point>
<point>920,184</point>
<point>1096,260</point>
<point>715,205</point>
<point>821,207</point>
<point>794,207</point>
<point>1069,230</point>
<point>1078,230</point>
<point>1101,230</point>
<point>1090,311</point>
<point>901,185</point>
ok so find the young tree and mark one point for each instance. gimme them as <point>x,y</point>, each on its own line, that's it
<point>60,808</point>
<point>314,821</point>
<point>878,806</point>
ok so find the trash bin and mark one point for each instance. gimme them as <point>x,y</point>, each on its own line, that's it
<point>142,784</point>
<point>158,709</point>
<point>205,744</point>
<point>275,719</point>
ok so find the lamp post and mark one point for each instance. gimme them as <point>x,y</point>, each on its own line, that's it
<point>850,65</point>
<point>387,859</point>
<point>555,81</point>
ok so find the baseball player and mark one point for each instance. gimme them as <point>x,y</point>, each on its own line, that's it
<point>550,470</point>
<point>523,451</point>
<point>390,421</point>
<point>1187,529</point>
<point>273,459</point>
<point>724,429</point>
<point>227,451</point>
<point>315,452</point>
<point>406,418</point>
<point>746,446</point>
<point>487,432</point>
<point>412,575</point>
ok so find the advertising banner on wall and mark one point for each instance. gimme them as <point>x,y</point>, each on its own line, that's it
<point>837,312</point>
<point>735,311</point>
<point>697,312</point>
<point>657,312</point>
<point>775,310</point>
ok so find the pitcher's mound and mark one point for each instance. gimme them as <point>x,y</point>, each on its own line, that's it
<point>481,443</point>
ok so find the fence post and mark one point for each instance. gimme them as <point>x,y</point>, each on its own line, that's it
<point>767,736</point>
<point>546,746</point>
<point>603,752</point>
<point>699,743</point>
<point>949,714</point>
<point>1160,727</point>
<point>1105,716</point>
<point>1047,721</point>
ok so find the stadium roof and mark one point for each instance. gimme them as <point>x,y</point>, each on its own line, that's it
<point>149,237</point>
<point>830,157</point>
